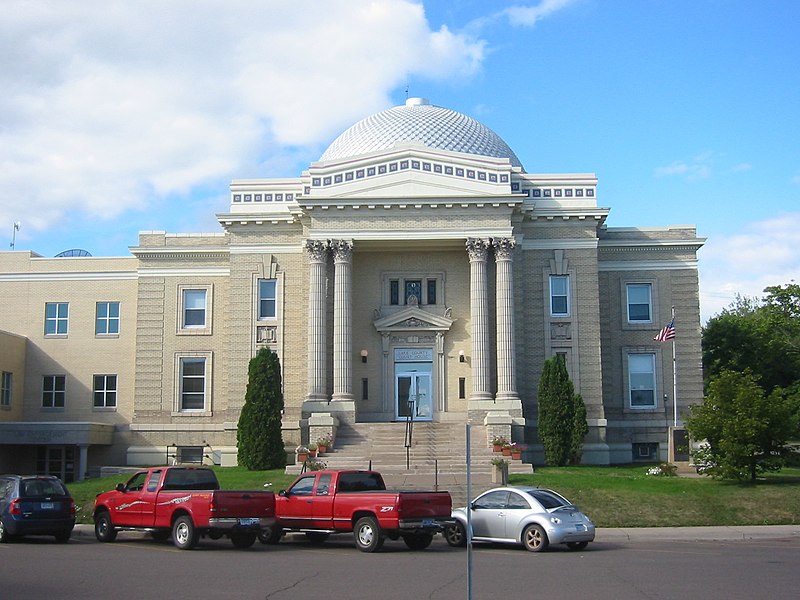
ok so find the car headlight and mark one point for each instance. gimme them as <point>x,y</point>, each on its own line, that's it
<point>555,520</point>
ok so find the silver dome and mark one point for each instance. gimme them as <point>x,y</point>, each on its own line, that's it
<point>422,122</point>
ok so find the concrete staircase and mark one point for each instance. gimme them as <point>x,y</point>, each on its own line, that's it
<point>436,459</point>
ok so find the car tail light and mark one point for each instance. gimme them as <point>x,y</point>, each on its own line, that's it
<point>14,508</point>
<point>72,508</point>
<point>214,507</point>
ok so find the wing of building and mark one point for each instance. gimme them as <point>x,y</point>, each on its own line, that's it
<point>415,269</point>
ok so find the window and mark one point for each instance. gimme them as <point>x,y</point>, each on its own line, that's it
<point>559,295</point>
<point>394,292</point>
<point>193,384</point>
<point>105,391</point>
<point>54,391</point>
<point>639,302</point>
<point>267,298</point>
<point>5,389</point>
<point>642,380</point>
<point>56,318</point>
<point>194,308</point>
<point>462,388</point>
<point>431,291</point>
<point>413,291</point>
<point>106,321</point>
<point>364,388</point>
<point>303,487</point>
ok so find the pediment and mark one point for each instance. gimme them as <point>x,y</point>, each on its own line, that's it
<point>413,318</point>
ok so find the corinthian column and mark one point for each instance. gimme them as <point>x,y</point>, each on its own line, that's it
<point>478,302</point>
<point>506,348</point>
<point>342,320</point>
<point>317,257</point>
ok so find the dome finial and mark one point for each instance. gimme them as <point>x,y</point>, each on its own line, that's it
<point>417,101</point>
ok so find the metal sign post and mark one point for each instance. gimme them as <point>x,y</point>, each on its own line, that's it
<point>469,515</point>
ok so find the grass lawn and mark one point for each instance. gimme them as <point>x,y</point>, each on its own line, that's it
<point>611,496</point>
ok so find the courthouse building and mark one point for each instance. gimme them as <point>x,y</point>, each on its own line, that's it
<point>416,269</point>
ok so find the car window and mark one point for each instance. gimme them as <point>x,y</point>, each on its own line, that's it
<point>493,500</point>
<point>152,483</point>
<point>42,487</point>
<point>303,487</point>
<point>324,484</point>
<point>360,482</point>
<point>517,501</point>
<point>548,499</point>
<point>179,479</point>
<point>6,485</point>
<point>136,482</point>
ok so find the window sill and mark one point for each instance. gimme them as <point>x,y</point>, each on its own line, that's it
<point>192,413</point>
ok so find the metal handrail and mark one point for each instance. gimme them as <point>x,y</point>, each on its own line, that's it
<point>409,433</point>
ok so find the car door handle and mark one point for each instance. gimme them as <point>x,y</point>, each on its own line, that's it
<point>501,514</point>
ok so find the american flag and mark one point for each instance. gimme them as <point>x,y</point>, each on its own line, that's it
<point>667,333</point>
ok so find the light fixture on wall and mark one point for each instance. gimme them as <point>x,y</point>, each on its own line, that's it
<point>461,357</point>
<point>364,355</point>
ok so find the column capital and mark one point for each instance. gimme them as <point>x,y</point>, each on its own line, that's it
<point>504,248</point>
<point>477,248</point>
<point>317,250</point>
<point>342,250</point>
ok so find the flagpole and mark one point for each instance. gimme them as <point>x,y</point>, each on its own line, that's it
<point>674,378</point>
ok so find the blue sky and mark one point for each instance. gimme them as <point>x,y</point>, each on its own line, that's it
<point>118,117</point>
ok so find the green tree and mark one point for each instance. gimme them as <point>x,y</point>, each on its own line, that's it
<point>760,335</point>
<point>260,444</point>
<point>562,415</point>
<point>744,429</point>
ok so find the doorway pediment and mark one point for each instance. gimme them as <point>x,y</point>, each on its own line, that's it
<point>412,318</point>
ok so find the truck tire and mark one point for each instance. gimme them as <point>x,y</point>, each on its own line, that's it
<point>103,527</point>
<point>418,541</point>
<point>184,534</point>
<point>271,535</point>
<point>244,539</point>
<point>367,534</point>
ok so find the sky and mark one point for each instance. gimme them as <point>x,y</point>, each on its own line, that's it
<point>118,116</point>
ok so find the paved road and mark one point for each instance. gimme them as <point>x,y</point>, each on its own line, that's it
<point>638,564</point>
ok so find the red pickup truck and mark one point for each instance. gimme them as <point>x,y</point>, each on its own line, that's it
<point>185,502</point>
<point>320,503</point>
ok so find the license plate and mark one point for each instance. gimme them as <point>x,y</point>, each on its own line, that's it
<point>249,521</point>
<point>48,505</point>
<point>428,522</point>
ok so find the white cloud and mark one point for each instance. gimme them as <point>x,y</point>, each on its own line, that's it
<point>111,105</point>
<point>697,168</point>
<point>528,16</point>
<point>744,263</point>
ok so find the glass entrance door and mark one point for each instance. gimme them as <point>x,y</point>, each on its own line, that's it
<point>413,394</point>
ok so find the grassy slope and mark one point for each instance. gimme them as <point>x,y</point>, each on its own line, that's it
<point>611,496</point>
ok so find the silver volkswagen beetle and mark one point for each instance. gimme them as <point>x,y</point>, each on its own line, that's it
<point>533,517</point>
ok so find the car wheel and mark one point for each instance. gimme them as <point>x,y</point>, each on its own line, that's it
<point>418,541</point>
<point>103,528</point>
<point>368,534</point>
<point>184,534</point>
<point>62,537</point>
<point>535,539</point>
<point>316,537</point>
<point>577,545</point>
<point>271,535</point>
<point>455,535</point>
<point>244,539</point>
<point>5,537</point>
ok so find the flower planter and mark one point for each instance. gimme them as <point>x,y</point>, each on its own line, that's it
<point>497,447</point>
<point>312,454</point>
<point>516,455</point>
<point>302,457</point>
<point>322,449</point>
<point>506,451</point>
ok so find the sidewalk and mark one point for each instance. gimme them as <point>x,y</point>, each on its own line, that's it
<point>643,534</point>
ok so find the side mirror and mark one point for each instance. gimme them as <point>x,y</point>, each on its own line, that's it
<point>283,493</point>
<point>120,487</point>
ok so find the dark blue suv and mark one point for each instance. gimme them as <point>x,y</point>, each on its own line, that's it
<point>35,505</point>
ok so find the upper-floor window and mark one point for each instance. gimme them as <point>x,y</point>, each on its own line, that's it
<point>267,298</point>
<point>642,380</point>
<point>194,308</point>
<point>413,291</point>
<point>105,391</point>
<point>193,383</point>
<point>640,302</point>
<point>54,391</point>
<point>56,318</point>
<point>5,389</point>
<point>559,295</point>
<point>106,320</point>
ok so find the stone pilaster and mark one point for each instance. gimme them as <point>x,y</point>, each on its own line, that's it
<point>318,257</point>
<point>478,250</point>
<point>506,347</point>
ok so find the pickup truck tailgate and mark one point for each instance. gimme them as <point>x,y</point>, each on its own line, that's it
<point>416,505</point>
<point>243,504</point>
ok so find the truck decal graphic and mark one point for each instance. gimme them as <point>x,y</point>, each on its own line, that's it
<point>179,500</point>
<point>129,504</point>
